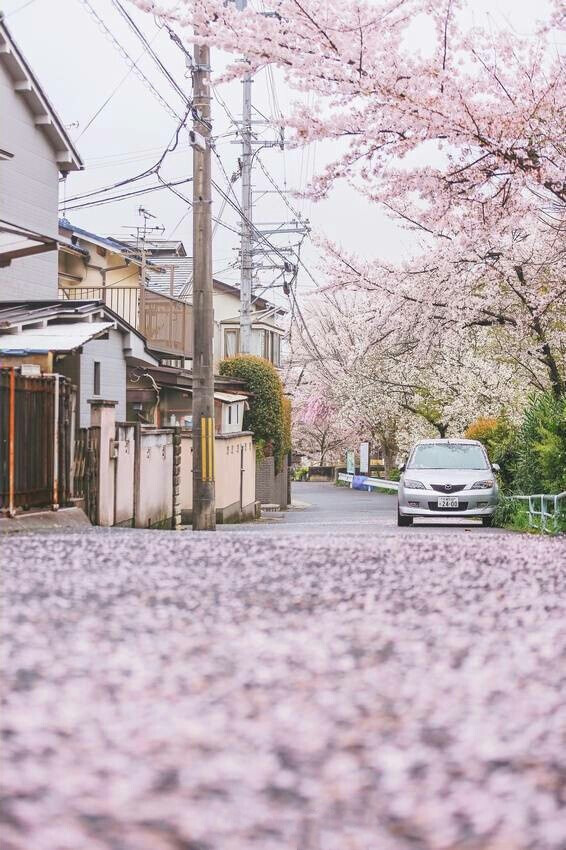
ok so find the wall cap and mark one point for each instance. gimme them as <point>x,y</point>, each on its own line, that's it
<point>101,402</point>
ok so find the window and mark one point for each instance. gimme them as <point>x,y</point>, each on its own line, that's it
<point>257,342</point>
<point>231,343</point>
<point>229,414</point>
<point>448,456</point>
<point>97,377</point>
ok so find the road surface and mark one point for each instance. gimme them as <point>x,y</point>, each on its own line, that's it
<point>324,507</point>
<point>284,691</point>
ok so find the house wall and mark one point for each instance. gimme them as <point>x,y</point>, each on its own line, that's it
<point>231,452</point>
<point>110,354</point>
<point>29,188</point>
<point>90,270</point>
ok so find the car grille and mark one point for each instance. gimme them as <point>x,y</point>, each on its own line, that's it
<point>433,506</point>
<point>454,488</point>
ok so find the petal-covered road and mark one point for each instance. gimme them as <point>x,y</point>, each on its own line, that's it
<point>171,691</point>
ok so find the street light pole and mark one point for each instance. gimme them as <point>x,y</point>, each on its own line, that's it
<point>204,507</point>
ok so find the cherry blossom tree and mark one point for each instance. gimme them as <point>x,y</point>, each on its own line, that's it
<point>461,139</point>
<point>320,430</point>
<point>392,390</point>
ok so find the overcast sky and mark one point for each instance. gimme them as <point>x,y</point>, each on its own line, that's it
<point>80,68</point>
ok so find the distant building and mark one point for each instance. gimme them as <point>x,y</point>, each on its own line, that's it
<point>93,267</point>
<point>174,278</point>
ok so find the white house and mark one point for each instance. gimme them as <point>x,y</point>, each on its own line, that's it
<point>34,151</point>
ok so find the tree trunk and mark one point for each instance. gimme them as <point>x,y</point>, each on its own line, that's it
<point>389,453</point>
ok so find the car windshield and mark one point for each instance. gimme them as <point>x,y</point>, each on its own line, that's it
<point>448,456</point>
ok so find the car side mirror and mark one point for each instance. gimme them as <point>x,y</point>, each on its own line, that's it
<point>402,467</point>
<point>496,467</point>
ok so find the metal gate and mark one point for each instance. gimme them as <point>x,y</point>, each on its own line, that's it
<point>35,440</point>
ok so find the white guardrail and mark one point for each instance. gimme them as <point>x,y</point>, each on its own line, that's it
<point>539,515</point>
<point>366,481</point>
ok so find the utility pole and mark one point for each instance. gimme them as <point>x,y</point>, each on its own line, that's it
<point>204,506</point>
<point>246,227</point>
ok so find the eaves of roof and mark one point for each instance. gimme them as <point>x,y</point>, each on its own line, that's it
<point>105,242</point>
<point>14,316</point>
<point>27,86</point>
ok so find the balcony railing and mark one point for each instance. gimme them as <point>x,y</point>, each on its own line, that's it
<point>166,322</point>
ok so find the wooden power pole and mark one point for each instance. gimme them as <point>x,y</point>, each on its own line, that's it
<point>204,507</point>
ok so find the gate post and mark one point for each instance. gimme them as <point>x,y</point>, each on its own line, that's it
<point>103,416</point>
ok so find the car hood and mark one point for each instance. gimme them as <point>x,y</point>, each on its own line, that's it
<point>447,476</point>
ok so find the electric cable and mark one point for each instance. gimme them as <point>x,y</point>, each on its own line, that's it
<point>132,24</point>
<point>148,171</point>
<point>128,59</point>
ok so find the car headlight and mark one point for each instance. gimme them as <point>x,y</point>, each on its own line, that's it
<point>414,485</point>
<point>483,485</point>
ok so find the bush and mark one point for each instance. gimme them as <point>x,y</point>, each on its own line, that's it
<point>541,447</point>
<point>500,440</point>
<point>266,417</point>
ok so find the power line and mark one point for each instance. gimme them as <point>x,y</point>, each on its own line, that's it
<point>128,59</point>
<point>237,207</point>
<point>279,190</point>
<point>19,8</point>
<point>114,198</point>
<point>132,24</point>
<point>154,169</point>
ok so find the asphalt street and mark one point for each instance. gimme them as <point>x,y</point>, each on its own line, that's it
<point>284,691</point>
<point>320,508</point>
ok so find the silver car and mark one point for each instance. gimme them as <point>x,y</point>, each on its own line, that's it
<point>447,478</point>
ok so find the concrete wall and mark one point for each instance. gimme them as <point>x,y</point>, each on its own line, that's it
<point>265,481</point>
<point>29,190</point>
<point>137,480</point>
<point>232,453</point>
<point>272,488</point>
<point>155,489</point>
<point>124,474</point>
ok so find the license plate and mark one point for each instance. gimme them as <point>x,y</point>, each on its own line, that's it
<point>448,502</point>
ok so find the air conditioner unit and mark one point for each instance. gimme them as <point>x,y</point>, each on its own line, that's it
<point>30,370</point>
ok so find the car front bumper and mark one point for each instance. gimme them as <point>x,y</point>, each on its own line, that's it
<point>472,503</point>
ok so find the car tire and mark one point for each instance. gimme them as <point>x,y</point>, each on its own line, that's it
<point>487,521</point>
<point>403,520</point>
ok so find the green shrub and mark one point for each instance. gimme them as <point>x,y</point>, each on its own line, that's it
<point>500,440</point>
<point>511,513</point>
<point>266,416</point>
<point>541,447</point>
